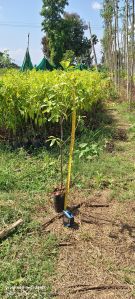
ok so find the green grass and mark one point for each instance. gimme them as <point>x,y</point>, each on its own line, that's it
<point>108,171</point>
<point>115,170</point>
<point>28,258</point>
<point>22,171</point>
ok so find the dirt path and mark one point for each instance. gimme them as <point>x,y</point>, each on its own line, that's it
<point>97,258</point>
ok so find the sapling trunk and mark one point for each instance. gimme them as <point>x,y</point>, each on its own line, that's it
<point>70,156</point>
<point>61,150</point>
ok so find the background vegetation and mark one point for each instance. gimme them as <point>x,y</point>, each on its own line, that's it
<point>65,32</point>
<point>33,102</point>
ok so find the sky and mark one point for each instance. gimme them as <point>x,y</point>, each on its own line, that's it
<point>18,18</point>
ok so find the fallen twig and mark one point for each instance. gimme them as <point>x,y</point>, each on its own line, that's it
<point>78,206</point>
<point>50,221</point>
<point>63,244</point>
<point>96,205</point>
<point>83,288</point>
<point>86,288</point>
<point>92,219</point>
<point>5,232</point>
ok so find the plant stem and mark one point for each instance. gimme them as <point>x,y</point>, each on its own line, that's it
<point>70,156</point>
<point>61,150</point>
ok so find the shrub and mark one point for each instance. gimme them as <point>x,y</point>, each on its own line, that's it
<point>38,98</point>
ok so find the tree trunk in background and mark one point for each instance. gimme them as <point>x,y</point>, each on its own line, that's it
<point>119,42</point>
<point>118,45</point>
<point>124,42</point>
<point>93,47</point>
<point>127,49</point>
<point>111,47</point>
<point>133,48</point>
<point>115,45</point>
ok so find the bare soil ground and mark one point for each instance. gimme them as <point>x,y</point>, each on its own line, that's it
<point>96,257</point>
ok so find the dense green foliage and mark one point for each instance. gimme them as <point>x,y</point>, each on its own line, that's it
<point>52,12</point>
<point>74,38</point>
<point>63,32</point>
<point>41,97</point>
<point>5,60</point>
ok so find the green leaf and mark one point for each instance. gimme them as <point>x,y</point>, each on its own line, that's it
<point>53,142</point>
<point>82,145</point>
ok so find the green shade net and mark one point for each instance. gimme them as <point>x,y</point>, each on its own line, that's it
<point>27,64</point>
<point>58,66</point>
<point>44,65</point>
<point>81,67</point>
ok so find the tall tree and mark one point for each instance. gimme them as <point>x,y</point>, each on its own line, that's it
<point>72,38</point>
<point>127,45</point>
<point>108,39</point>
<point>52,12</point>
<point>5,60</point>
<point>119,15</point>
<point>73,33</point>
<point>45,44</point>
<point>133,47</point>
<point>93,47</point>
<point>117,44</point>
